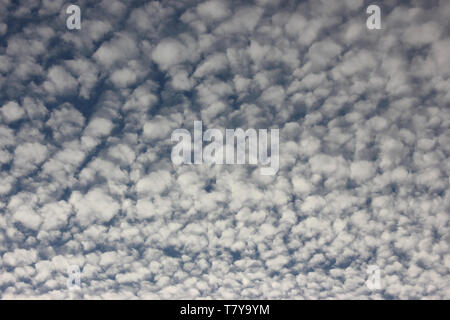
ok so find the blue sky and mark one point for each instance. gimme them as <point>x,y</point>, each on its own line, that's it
<point>86,118</point>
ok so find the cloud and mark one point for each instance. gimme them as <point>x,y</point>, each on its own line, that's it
<point>87,179</point>
<point>95,206</point>
<point>28,156</point>
<point>12,112</point>
<point>59,81</point>
<point>169,52</point>
<point>362,170</point>
<point>213,10</point>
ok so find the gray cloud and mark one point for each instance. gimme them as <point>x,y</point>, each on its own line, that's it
<point>85,123</point>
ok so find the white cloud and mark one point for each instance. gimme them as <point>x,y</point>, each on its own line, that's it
<point>85,151</point>
<point>169,52</point>
<point>362,170</point>
<point>154,183</point>
<point>213,10</point>
<point>28,156</point>
<point>11,112</point>
<point>20,257</point>
<point>95,206</point>
<point>60,81</point>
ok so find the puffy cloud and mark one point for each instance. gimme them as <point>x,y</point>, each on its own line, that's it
<point>123,77</point>
<point>27,217</point>
<point>214,10</point>
<point>211,65</point>
<point>362,170</point>
<point>66,123</point>
<point>28,156</point>
<point>95,206</point>
<point>59,81</point>
<point>99,127</point>
<point>170,52</point>
<point>87,179</point>
<point>118,50</point>
<point>154,183</point>
<point>55,215</point>
<point>11,112</point>
<point>20,257</point>
<point>158,128</point>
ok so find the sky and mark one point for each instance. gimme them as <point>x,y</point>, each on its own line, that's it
<point>86,118</point>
